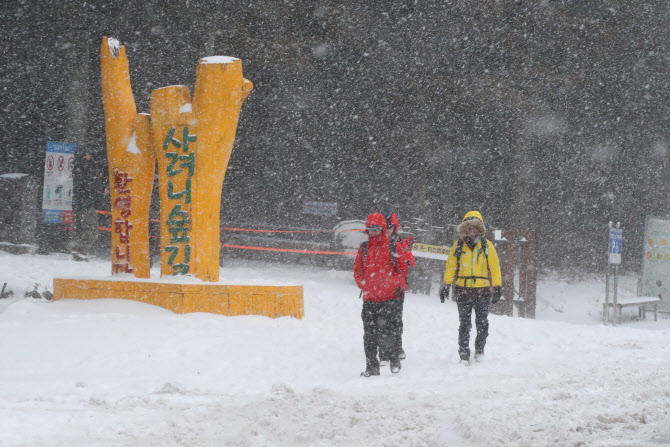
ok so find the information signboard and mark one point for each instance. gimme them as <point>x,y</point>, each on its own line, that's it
<point>656,258</point>
<point>615,246</point>
<point>321,208</point>
<point>57,194</point>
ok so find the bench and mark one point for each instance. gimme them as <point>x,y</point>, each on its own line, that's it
<point>640,301</point>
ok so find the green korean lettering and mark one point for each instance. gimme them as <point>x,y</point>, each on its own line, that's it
<point>169,139</point>
<point>174,157</point>
<point>186,193</point>
<point>188,138</point>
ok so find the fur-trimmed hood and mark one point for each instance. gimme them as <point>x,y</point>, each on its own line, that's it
<point>464,228</point>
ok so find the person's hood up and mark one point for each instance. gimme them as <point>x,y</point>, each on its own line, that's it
<point>394,221</point>
<point>476,214</point>
<point>478,224</point>
<point>376,219</point>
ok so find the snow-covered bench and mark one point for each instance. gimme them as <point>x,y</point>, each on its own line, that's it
<point>640,301</point>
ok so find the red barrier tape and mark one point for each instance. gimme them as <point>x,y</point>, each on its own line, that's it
<point>314,252</point>
<point>107,213</point>
<point>109,229</point>
<point>287,231</point>
<point>286,250</point>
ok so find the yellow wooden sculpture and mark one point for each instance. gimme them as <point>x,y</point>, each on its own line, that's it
<point>170,117</point>
<point>194,141</point>
<point>131,163</point>
<point>191,143</point>
<point>220,90</point>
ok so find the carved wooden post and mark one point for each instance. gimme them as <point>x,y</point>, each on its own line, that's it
<point>194,143</point>
<point>220,90</point>
<point>131,164</point>
<point>172,123</point>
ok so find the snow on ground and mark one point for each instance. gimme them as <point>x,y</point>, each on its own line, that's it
<point>122,373</point>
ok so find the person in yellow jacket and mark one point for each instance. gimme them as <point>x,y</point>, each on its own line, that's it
<point>473,269</point>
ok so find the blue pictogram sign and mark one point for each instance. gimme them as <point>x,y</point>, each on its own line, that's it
<point>615,246</point>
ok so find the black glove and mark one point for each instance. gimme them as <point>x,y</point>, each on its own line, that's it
<point>444,292</point>
<point>497,294</point>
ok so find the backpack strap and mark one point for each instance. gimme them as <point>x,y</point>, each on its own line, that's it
<point>485,249</point>
<point>394,254</point>
<point>457,254</point>
<point>364,249</point>
<point>392,251</point>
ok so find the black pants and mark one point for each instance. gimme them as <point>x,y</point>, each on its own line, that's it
<point>398,333</point>
<point>468,298</point>
<point>381,331</point>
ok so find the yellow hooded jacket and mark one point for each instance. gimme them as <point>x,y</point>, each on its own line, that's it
<point>473,271</point>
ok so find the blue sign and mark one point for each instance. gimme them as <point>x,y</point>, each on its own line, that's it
<point>61,148</point>
<point>58,172</point>
<point>615,246</point>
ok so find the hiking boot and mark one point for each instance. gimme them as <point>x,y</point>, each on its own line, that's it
<point>464,354</point>
<point>401,354</point>
<point>370,372</point>
<point>395,367</point>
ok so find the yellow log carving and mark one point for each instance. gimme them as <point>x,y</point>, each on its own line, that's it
<point>220,90</point>
<point>202,133</point>
<point>131,163</point>
<point>170,116</point>
<point>192,144</point>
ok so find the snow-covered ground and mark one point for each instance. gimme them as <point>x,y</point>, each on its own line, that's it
<point>122,373</point>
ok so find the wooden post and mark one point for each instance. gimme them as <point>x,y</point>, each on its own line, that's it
<point>175,143</point>
<point>507,270</point>
<point>527,275</point>
<point>195,142</point>
<point>506,249</point>
<point>131,164</point>
<point>220,90</point>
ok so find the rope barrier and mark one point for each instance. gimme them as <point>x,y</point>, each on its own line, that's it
<point>285,250</point>
<point>287,231</point>
<point>289,250</point>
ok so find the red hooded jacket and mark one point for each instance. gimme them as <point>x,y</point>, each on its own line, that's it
<point>382,275</point>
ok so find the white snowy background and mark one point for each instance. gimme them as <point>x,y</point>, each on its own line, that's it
<point>122,373</point>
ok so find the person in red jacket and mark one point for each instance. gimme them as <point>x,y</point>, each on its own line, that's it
<point>393,226</point>
<point>380,274</point>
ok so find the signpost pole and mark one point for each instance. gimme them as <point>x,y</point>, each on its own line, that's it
<point>614,251</point>
<point>614,299</point>
<point>606,307</point>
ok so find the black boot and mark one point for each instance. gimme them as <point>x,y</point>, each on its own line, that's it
<point>370,372</point>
